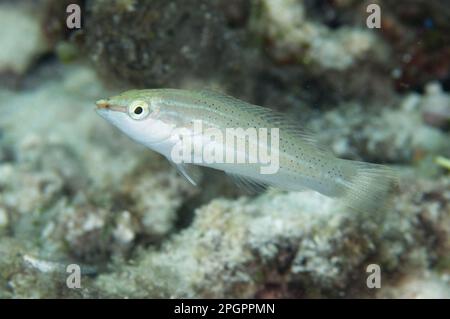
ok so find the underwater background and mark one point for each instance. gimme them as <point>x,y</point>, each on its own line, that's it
<point>75,191</point>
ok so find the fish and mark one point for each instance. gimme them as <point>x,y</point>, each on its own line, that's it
<point>165,120</point>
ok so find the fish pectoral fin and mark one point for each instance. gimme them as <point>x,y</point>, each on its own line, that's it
<point>248,184</point>
<point>188,171</point>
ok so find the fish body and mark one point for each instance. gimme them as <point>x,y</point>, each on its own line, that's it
<point>293,160</point>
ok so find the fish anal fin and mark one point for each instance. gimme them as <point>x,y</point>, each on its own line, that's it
<point>248,184</point>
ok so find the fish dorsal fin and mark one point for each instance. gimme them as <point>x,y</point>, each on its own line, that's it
<point>276,119</point>
<point>188,171</point>
<point>248,184</point>
<point>211,93</point>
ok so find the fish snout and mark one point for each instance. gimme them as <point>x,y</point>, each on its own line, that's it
<point>102,104</point>
<point>105,105</point>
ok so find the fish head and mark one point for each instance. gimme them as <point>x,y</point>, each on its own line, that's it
<point>136,115</point>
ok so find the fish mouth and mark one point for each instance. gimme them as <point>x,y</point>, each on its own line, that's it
<point>105,105</point>
<point>102,104</point>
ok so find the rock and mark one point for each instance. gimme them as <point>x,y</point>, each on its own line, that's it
<point>289,245</point>
<point>436,106</point>
<point>21,38</point>
<point>386,134</point>
<point>162,45</point>
<point>418,286</point>
<point>293,37</point>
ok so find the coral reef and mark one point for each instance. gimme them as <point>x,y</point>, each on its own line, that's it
<point>264,51</point>
<point>419,36</point>
<point>290,245</point>
<point>75,190</point>
<point>395,134</point>
<point>19,52</point>
<point>293,37</point>
<point>419,286</point>
<point>436,106</point>
<point>306,57</point>
<point>160,43</point>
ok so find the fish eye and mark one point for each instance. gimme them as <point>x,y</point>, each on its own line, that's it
<point>138,110</point>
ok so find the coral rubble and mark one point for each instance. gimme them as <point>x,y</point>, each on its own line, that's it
<point>73,190</point>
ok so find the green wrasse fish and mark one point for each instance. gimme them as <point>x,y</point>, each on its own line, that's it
<point>272,150</point>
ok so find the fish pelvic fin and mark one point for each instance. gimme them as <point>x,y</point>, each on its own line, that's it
<point>368,188</point>
<point>191,173</point>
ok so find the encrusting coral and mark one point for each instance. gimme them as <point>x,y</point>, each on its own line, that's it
<point>289,245</point>
<point>74,190</point>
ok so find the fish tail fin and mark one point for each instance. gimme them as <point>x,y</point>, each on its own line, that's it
<point>367,188</point>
